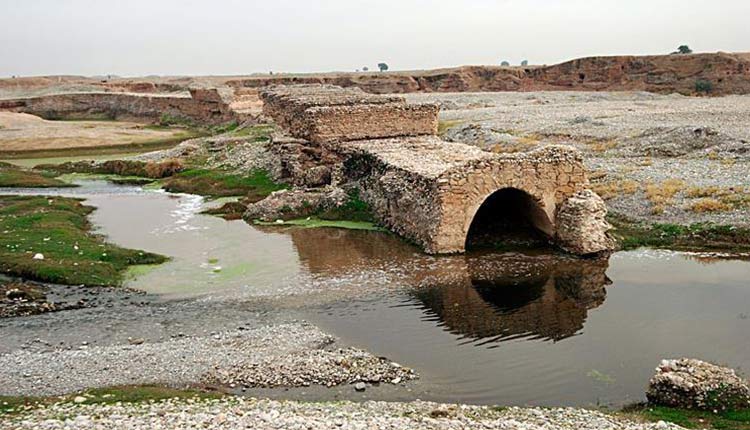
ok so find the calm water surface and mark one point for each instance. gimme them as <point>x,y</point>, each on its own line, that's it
<point>482,328</point>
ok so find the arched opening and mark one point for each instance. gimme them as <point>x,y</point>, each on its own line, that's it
<point>509,218</point>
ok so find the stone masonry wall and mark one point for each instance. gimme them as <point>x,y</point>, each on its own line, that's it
<point>324,114</point>
<point>429,190</point>
<point>418,185</point>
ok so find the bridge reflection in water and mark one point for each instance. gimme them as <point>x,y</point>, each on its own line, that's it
<point>514,296</point>
<point>483,297</point>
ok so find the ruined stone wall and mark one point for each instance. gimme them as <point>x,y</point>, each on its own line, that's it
<point>324,114</point>
<point>345,123</point>
<point>404,201</point>
<point>205,106</point>
<point>418,185</point>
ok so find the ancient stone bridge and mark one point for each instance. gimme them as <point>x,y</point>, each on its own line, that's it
<point>433,192</point>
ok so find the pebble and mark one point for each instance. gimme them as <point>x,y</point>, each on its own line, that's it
<point>269,414</point>
<point>280,355</point>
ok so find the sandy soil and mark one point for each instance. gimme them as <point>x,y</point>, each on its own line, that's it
<point>24,132</point>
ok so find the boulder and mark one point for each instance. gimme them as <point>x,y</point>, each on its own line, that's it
<point>695,384</point>
<point>582,226</point>
<point>290,204</point>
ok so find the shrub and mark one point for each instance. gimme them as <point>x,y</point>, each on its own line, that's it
<point>158,170</point>
<point>703,86</point>
<point>709,205</point>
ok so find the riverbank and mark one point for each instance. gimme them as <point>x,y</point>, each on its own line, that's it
<point>262,414</point>
<point>125,339</point>
<point>49,239</point>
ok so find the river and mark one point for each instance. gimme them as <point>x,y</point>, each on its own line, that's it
<point>485,328</point>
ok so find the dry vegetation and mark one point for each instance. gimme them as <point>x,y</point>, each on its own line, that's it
<point>709,205</point>
<point>612,189</point>
<point>601,145</point>
<point>718,199</point>
<point>661,195</point>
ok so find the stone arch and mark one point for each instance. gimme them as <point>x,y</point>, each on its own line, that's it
<point>509,211</point>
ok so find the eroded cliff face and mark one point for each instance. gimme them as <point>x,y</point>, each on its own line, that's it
<point>727,73</point>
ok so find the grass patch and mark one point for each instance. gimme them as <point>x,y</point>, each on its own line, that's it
<point>695,237</point>
<point>122,168</point>
<point>256,133</point>
<point>323,223</point>
<point>734,420</point>
<point>355,209</point>
<point>58,229</point>
<point>255,186</point>
<point>125,394</point>
<point>444,126</point>
<point>13,176</point>
<point>137,394</point>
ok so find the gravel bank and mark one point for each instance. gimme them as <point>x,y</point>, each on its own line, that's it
<point>604,115</point>
<point>268,414</point>
<point>292,354</point>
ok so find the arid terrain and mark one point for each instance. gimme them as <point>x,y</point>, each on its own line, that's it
<point>23,134</point>
<point>727,72</point>
<point>262,256</point>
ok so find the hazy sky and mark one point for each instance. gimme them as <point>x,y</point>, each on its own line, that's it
<point>168,37</point>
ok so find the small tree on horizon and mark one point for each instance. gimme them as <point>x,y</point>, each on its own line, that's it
<point>505,64</point>
<point>365,69</point>
<point>684,49</point>
<point>383,67</point>
<point>525,62</point>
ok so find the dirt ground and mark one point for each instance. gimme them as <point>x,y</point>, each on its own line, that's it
<point>23,132</point>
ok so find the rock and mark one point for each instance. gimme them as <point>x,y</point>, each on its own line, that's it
<point>489,138</point>
<point>694,384</point>
<point>582,226</point>
<point>38,256</point>
<point>290,204</point>
<point>360,386</point>
<point>16,294</point>
<point>684,140</point>
<point>136,341</point>
<point>79,399</point>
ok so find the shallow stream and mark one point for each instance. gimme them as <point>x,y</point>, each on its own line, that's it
<point>511,328</point>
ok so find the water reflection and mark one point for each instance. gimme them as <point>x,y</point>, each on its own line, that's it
<point>514,296</point>
<point>487,297</point>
